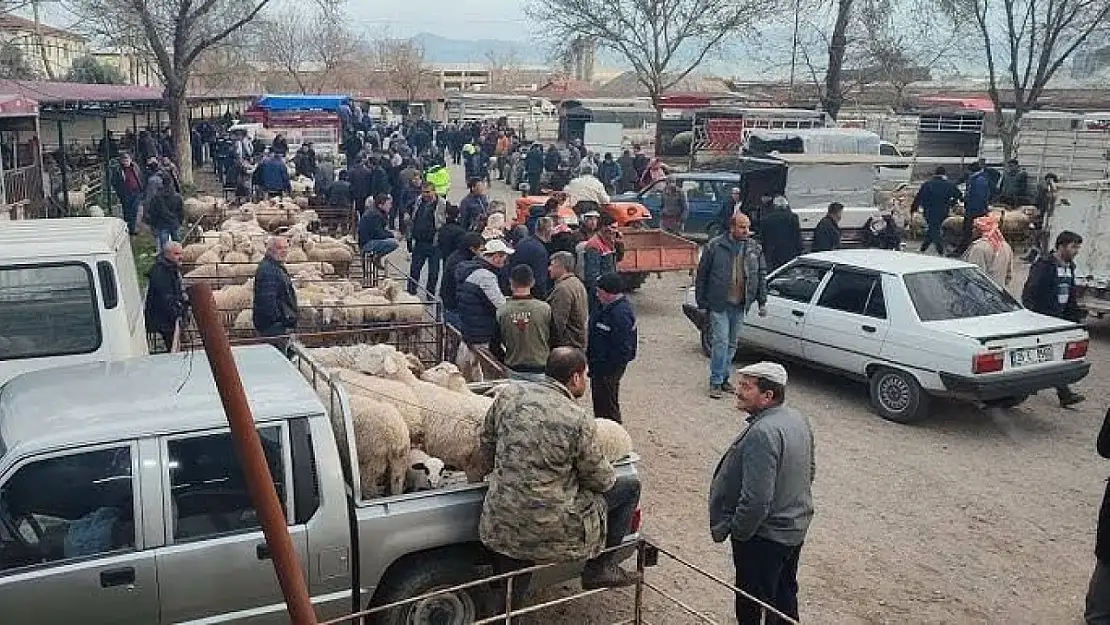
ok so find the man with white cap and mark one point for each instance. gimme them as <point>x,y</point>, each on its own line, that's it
<point>761,496</point>
<point>478,296</point>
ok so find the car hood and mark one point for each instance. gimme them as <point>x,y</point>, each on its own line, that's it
<point>1003,325</point>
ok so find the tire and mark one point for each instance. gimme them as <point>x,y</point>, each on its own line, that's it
<point>1007,402</point>
<point>897,396</point>
<point>427,575</point>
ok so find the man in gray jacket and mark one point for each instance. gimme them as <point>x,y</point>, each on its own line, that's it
<point>761,496</point>
<point>732,275</point>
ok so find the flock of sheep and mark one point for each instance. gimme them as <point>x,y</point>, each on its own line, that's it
<point>413,426</point>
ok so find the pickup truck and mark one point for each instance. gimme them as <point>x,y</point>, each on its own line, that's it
<point>121,502</point>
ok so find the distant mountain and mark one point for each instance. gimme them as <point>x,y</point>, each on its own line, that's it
<point>439,49</point>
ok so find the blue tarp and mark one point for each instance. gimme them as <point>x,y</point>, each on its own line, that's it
<point>302,102</point>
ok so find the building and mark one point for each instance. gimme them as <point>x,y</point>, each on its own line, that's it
<point>136,69</point>
<point>462,77</point>
<point>47,51</point>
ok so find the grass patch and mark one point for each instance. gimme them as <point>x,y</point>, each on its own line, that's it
<point>142,247</point>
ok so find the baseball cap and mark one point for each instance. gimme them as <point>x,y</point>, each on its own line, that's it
<point>610,283</point>
<point>770,371</point>
<point>496,246</point>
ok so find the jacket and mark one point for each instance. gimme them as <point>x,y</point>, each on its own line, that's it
<point>165,297</point>
<point>998,264</point>
<point>371,226</point>
<point>165,212</point>
<point>628,170</point>
<point>339,194</point>
<point>119,181</point>
<point>1102,534</point>
<point>609,172</point>
<point>275,301</point>
<point>1048,280</point>
<point>569,312</point>
<point>978,194</point>
<point>546,476</point>
<point>427,220</point>
<point>714,277</point>
<point>450,237</point>
<point>531,251</point>
<point>477,296</point>
<point>323,177</point>
<point>275,177</point>
<point>360,178</point>
<point>613,337</point>
<point>379,182</point>
<point>781,234</point>
<point>763,484</point>
<point>826,236</point>
<point>598,259</point>
<point>470,208</point>
<point>935,199</point>
<point>1015,183</point>
<point>448,288</point>
<point>533,164</point>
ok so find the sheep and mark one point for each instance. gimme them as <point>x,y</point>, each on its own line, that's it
<point>236,257</point>
<point>408,308</point>
<point>205,271</point>
<point>449,435</point>
<point>234,297</point>
<point>415,366</point>
<point>325,269</point>
<point>399,394</point>
<point>211,257</point>
<point>446,375</point>
<point>383,361</point>
<point>382,443</point>
<point>424,473</point>
<point>190,253</point>
<point>330,253</point>
<point>612,439</point>
<point>244,320</point>
<point>296,256</point>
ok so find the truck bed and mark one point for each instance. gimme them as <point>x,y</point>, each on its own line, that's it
<point>656,250</point>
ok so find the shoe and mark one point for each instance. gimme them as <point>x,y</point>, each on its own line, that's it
<point>1071,399</point>
<point>606,576</point>
<point>715,391</point>
<point>727,387</point>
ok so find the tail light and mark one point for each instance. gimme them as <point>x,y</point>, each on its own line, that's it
<point>987,362</point>
<point>634,525</point>
<point>1076,349</point>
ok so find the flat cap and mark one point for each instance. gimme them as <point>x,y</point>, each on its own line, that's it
<point>770,371</point>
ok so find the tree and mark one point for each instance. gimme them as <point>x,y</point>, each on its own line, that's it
<point>663,40</point>
<point>14,65</point>
<point>311,46</point>
<point>175,33</point>
<point>833,97</point>
<point>898,55</point>
<point>1024,43</point>
<point>88,69</point>
<point>504,71</point>
<point>284,46</point>
<point>403,60</point>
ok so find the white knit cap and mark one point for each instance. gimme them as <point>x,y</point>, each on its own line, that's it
<point>770,371</point>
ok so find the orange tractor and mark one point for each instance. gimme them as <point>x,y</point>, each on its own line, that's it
<point>626,214</point>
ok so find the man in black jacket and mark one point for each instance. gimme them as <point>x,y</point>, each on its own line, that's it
<point>429,215</point>
<point>781,234</point>
<point>469,246</point>
<point>275,301</point>
<point>164,213</point>
<point>1097,611</point>
<point>361,185</point>
<point>165,297</point>
<point>531,251</point>
<point>611,346</point>
<point>1050,290</point>
<point>373,236</point>
<point>826,236</point>
<point>450,235</point>
<point>339,193</point>
<point>128,183</point>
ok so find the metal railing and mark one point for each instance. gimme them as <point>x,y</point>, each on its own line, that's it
<point>647,555</point>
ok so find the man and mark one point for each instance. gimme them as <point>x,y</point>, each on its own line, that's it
<point>600,255</point>
<point>570,308</point>
<point>1050,290</point>
<point>1047,196</point>
<point>339,193</point>
<point>323,176</point>
<point>609,172</point>
<point>732,204</point>
<point>675,208</point>
<point>781,233</point>
<point>826,236</point>
<point>275,302</point>
<point>450,236</point>
<point>628,177</point>
<point>374,237</point>
<point>475,205</point>
<point>761,495</point>
<point>552,507</point>
<point>469,248</point>
<point>531,251</point>
<point>1097,611</point>
<point>429,215</point>
<point>1014,188</point>
<point>274,175</point>
<point>304,160</point>
<point>935,198</point>
<point>164,213</point>
<point>640,162</point>
<point>586,188</point>
<point>611,346</point>
<point>975,204</point>
<point>379,179</point>
<point>478,295</point>
<point>127,182</point>
<point>990,252</point>
<point>524,327</point>
<point>731,277</point>
<point>165,297</point>
<point>360,178</point>
<point>533,167</point>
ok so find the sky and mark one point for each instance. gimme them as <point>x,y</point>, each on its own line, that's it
<point>457,19</point>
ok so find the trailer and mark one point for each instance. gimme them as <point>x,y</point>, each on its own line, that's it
<point>648,251</point>
<point>1087,213</point>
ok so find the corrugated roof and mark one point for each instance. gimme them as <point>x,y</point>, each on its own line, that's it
<point>53,93</point>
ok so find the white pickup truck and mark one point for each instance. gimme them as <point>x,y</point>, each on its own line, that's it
<point>1088,215</point>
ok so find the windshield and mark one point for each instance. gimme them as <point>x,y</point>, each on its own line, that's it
<point>957,294</point>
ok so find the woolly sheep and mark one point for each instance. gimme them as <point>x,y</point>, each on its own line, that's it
<point>380,360</point>
<point>236,257</point>
<point>203,272</point>
<point>613,440</point>
<point>331,253</point>
<point>227,240</point>
<point>424,472</point>
<point>408,308</point>
<point>211,257</point>
<point>452,426</point>
<point>399,394</point>
<point>190,253</point>
<point>382,443</point>
<point>414,365</point>
<point>244,320</point>
<point>296,256</point>
<point>234,297</point>
<point>446,375</point>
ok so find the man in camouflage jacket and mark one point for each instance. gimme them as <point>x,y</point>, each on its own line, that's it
<point>553,497</point>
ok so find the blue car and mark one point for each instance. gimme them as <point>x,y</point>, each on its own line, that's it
<point>706,193</point>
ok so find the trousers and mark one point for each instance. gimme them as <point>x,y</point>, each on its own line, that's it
<point>1097,611</point>
<point>724,332</point>
<point>605,391</point>
<point>768,571</point>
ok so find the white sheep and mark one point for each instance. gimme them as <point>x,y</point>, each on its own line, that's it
<point>408,308</point>
<point>446,375</point>
<point>244,320</point>
<point>211,256</point>
<point>612,439</point>
<point>379,360</point>
<point>382,444</point>
<point>234,297</point>
<point>399,394</point>
<point>424,473</point>
<point>296,256</point>
<point>193,251</point>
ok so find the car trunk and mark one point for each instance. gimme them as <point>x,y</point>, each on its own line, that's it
<point>1027,340</point>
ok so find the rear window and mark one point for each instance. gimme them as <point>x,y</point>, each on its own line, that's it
<point>957,294</point>
<point>47,310</point>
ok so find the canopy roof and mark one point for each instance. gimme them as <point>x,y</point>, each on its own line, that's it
<point>302,102</point>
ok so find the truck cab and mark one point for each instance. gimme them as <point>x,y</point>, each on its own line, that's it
<point>69,293</point>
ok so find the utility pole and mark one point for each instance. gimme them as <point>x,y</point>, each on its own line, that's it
<point>794,45</point>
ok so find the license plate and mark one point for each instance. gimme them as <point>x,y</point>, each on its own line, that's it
<point>1030,356</point>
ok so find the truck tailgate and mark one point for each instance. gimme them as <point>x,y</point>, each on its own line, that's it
<point>657,250</point>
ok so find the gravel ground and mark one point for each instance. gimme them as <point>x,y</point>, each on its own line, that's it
<point>968,517</point>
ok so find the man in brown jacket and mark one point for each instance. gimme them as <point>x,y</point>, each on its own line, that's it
<point>569,303</point>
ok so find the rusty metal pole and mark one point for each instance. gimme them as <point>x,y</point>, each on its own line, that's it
<point>248,449</point>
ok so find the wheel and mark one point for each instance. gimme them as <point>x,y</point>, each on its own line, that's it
<point>897,396</point>
<point>705,347</point>
<point>632,281</point>
<point>1007,402</point>
<point>424,576</point>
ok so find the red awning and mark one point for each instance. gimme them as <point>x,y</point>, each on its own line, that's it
<point>18,106</point>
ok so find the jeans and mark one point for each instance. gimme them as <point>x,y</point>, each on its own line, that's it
<point>934,235</point>
<point>1097,611</point>
<point>162,236</point>
<point>424,253</point>
<point>768,571</point>
<point>621,500</point>
<point>724,331</point>
<point>130,212</point>
<point>380,247</point>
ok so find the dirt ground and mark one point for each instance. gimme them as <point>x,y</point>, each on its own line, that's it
<point>968,517</point>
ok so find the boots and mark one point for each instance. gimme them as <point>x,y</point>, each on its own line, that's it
<point>604,573</point>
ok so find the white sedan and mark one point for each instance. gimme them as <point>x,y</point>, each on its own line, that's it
<point>913,327</point>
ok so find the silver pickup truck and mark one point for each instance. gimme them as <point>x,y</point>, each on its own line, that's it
<point>121,502</point>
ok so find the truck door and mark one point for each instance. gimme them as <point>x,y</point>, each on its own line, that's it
<point>69,550</point>
<point>215,564</point>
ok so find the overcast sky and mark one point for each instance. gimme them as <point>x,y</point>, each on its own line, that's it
<point>457,19</point>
